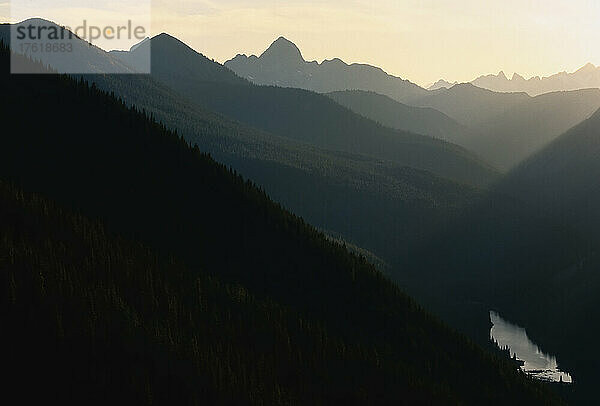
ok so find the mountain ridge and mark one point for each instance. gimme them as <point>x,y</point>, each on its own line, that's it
<point>420,120</point>
<point>208,291</point>
<point>84,57</point>
<point>586,77</point>
<point>306,116</point>
<point>441,84</point>
<point>325,77</point>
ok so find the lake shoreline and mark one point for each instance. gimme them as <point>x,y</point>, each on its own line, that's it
<point>533,361</point>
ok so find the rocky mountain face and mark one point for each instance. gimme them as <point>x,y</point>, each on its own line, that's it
<point>282,64</point>
<point>586,77</point>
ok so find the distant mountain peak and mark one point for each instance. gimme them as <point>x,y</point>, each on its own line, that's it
<point>283,65</point>
<point>164,39</point>
<point>284,50</point>
<point>167,43</point>
<point>284,40</point>
<point>589,67</point>
<point>37,20</point>
<point>163,36</point>
<point>587,76</point>
<point>441,84</point>
<point>139,44</point>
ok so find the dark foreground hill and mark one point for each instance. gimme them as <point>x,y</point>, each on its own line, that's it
<point>212,294</point>
<point>377,204</point>
<point>536,259</point>
<point>562,183</point>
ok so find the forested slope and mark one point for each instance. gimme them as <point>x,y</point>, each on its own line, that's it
<point>211,292</point>
<point>305,116</point>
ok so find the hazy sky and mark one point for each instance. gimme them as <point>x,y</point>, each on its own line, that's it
<point>420,40</point>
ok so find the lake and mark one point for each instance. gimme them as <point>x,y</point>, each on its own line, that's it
<point>535,362</point>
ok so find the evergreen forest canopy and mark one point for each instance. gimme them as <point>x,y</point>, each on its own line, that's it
<point>95,161</point>
<point>136,269</point>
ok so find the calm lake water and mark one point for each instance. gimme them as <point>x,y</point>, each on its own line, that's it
<point>535,362</point>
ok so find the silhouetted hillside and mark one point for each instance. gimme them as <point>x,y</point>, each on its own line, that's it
<point>561,183</point>
<point>527,127</point>
<point>530,250</point>
<point>509,127</point>
<point>376,204</point>
<point>83,57</point>
<point>310,118</point>
<point>212,294</point>
<point>470,105</point>
<point>403,117</point>
<point>562,178</point>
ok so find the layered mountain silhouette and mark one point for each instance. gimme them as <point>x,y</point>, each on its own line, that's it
<point>304,116</point>
<point>560,183</point>
<point>584,78</point>
<point>83,57</point>
<point>502,127</point>
<point>525,128</point>
<point>587,77</point>
<point>468,104</point>
<point>517,130</point>
<point>441,84</point>
<point>185,61</point>
<point>393,114</point>
<point>138,270</point>
<point>381,205</point>
<point>506,128</point>
<point>282,65</point>
<point>562,178</point>
<point>341,188</point>
<point>530,250</point>
<point>352,163</point>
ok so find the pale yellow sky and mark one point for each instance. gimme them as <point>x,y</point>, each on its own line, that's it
<point>420,40</point>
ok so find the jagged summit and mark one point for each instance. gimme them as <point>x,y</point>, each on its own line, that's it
<point>585,77</point>
<point>283,65</point>
<point>588,68</point>
<point>283,50</point>
<point>140,44</point>
<point>441,84</point>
